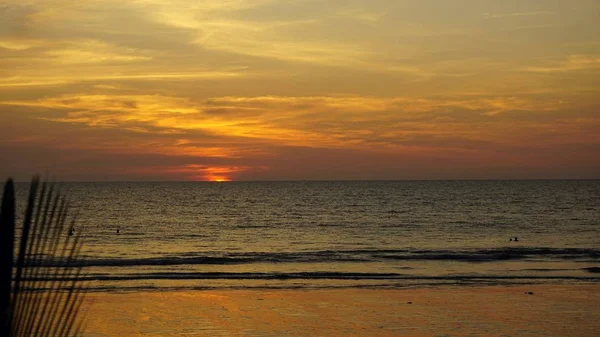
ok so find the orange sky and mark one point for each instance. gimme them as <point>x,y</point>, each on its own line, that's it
<point>283,90</point>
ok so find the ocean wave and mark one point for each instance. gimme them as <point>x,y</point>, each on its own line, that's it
<point>337,256</point>
<point>306,276</point>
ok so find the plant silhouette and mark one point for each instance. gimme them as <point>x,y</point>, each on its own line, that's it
<point>41,289</point>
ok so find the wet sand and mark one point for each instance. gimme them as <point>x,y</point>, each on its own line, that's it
<point>552,310</point>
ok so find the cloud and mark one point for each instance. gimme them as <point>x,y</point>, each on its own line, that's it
<point>90,51</point>
<point>56,43</point>
<point>240,83</point>
<point>234,126</point>
<point>517,14</point>
<point>572,63</point>
<point>62,79</point>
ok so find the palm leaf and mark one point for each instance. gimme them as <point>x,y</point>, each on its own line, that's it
<point>46,293</point>
<point>7,233</point>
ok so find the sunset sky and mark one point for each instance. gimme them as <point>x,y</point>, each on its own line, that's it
<point>95,90</point>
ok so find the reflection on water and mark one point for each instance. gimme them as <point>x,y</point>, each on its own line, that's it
<point>312,234</point>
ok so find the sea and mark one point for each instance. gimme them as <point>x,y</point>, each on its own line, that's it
<point>158,236</point>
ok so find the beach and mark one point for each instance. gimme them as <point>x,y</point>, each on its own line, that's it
<point>517,310</point>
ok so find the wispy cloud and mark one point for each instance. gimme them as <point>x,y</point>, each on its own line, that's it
<point>322,121</point>
<point>572,63</point>
<point>90,51</point>
<point>517,14</point>
<point>61,79</point>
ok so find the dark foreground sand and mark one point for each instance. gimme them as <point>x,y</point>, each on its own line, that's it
<point>552,310</point>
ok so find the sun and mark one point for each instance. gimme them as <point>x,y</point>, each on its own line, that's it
<point>219,179</point>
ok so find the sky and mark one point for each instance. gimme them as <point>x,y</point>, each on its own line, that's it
<point>105,90</point>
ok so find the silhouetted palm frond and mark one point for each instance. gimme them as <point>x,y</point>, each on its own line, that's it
<point>40,292</point>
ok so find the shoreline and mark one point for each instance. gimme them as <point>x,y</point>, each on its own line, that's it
<point>564,309</point>
<point>282,286</point>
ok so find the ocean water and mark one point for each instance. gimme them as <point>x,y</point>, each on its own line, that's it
<point>200,235</point>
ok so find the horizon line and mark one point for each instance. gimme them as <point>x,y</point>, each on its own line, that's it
<point>315,180</point>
